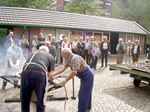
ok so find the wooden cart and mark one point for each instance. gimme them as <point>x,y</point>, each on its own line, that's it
<point>136,73</point>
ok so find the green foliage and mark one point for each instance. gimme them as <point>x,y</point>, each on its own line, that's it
<point>134,10</point>
<point>118,8</point>
<point>139,11</point>
<point>88,7</point>
<point>37,4</point>
<point>3,33</point>
<point>148,39</point>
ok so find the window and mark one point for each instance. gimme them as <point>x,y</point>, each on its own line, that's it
<point>98,36</point>
<point>129,37</point>
<point>123,36</point>
<point>108,3</point>
<point>89,33</point>
<point>136,37</point>
<point>55,1</point>
<point>75,33</point>
<point>126,37</point>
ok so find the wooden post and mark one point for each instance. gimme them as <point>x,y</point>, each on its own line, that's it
<point>73,91</point>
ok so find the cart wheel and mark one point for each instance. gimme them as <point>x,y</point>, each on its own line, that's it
<point>136,82</point>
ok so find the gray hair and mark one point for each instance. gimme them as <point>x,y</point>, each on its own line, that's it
<point>48,42</point>
<point>44,48</point>
<point>136,40</point>
<point>53,37</point>
<point>129,41</point>
<point>66,50</point>
<point>50,35</point>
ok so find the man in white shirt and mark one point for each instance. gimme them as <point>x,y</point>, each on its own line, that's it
<point>136,51</point>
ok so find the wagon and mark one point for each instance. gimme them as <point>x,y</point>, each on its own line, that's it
<point>140,73</point>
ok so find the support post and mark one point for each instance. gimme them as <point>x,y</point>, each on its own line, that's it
<point>73,91</point>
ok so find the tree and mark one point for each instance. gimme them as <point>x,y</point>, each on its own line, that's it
<point>118,8</point>
<point>89,7</point>
<point>37,4</point>
<point>139,11</point>
<point>133,10</point>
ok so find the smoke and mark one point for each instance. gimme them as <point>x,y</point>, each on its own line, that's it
<point>10,49</point>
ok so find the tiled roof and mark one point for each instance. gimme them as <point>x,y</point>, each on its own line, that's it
<point>45,18</point>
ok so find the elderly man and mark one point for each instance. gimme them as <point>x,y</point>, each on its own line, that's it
<point>105,50</point>
<point>136,51</point>
<point>41,40</point>
<point>120,51</point>
<point>83,72</point>
<point>13,57</point>
<point>81,48</point>
<point>128,52</point>
<point>34,77</point>
<point>51,48</point>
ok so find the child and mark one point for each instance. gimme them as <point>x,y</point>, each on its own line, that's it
<point>95,54</point>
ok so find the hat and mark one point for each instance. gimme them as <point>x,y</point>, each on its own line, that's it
<point>17,41</point>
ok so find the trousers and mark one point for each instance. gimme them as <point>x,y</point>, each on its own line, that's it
<point>85,92</point>
<point>104,55</point>
<point>32,81</point>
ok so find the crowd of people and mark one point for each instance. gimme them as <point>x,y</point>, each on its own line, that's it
<point>130,53</point>
<point>90,50</point>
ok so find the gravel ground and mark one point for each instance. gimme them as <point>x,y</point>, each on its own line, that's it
<point>112,92</point>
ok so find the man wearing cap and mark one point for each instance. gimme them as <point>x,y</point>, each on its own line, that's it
<point>34,78</point>
<point>83,72</point>
<point>13,57</point>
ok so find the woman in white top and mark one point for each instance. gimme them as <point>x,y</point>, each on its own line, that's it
<point>34,43</point>
<point>66,44</point>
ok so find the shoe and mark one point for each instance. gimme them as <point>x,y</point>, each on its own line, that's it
<point>94,68</point>
<point>105,66</point>
<point>101,66</point>
<point>89,108</point>
<point>3,88</point>
<point>16,86</point>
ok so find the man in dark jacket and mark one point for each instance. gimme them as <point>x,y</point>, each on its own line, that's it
<point>136,51</point>
<point>41,40</point>
<point>34,78</point>
<point>81,48</point>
